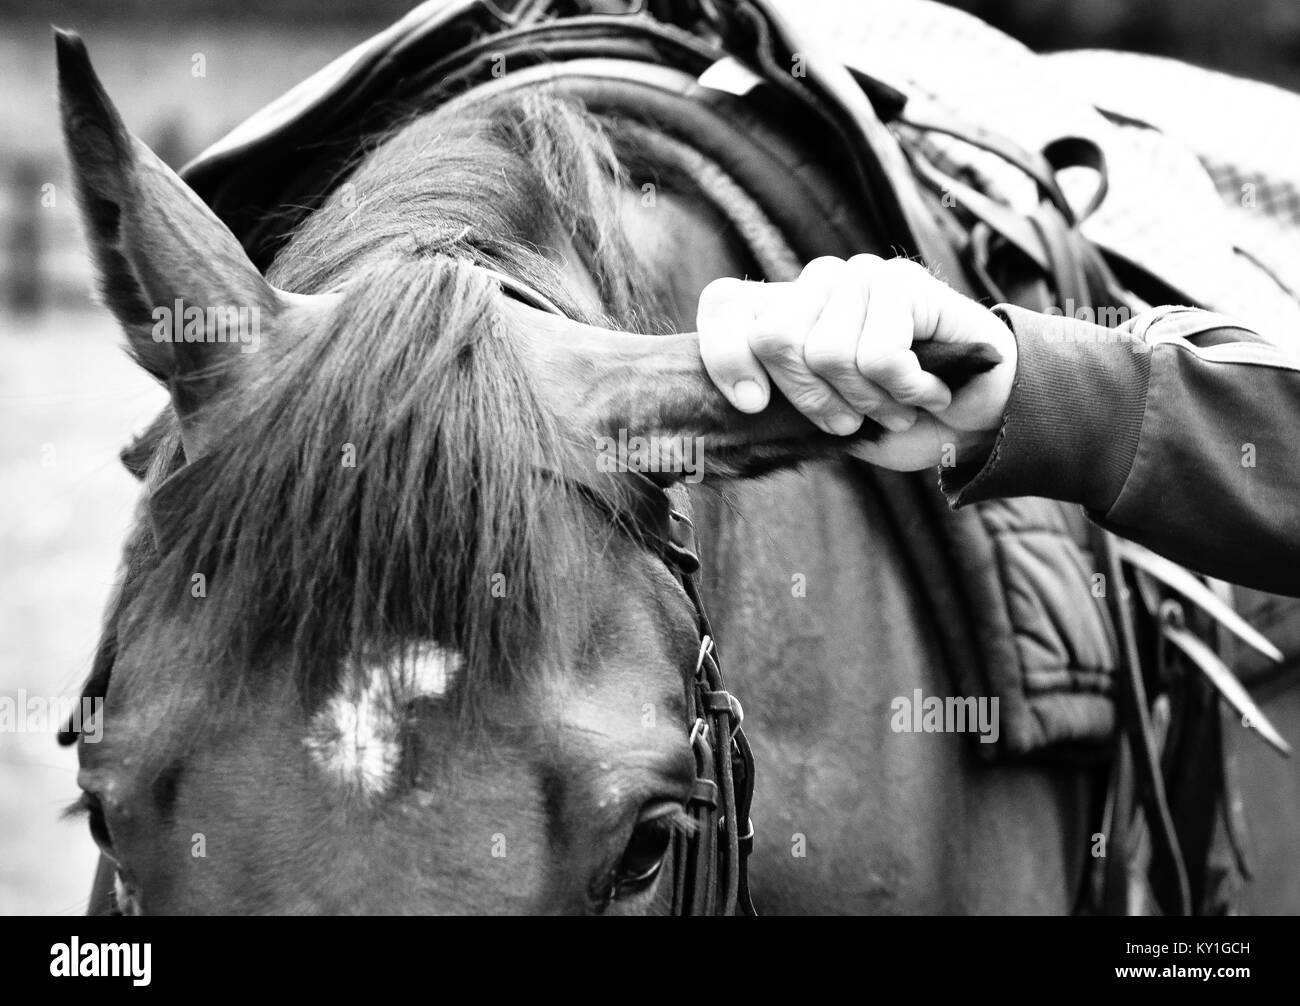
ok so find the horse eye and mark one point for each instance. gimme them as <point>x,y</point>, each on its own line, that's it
<point>98,823</point>
<point>645,853</point>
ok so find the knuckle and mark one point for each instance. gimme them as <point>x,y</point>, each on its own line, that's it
<point>828,360</point>
<point>822,264</point>
<point>777,344</point>
<point>866,261</point>
<point>725,299</point>
<point>821,274</point>
<point>887,363</point>
<point>898,268</point>
<point>865,400</point>
<point>724,290</point>
<point>810,400</point>
<point>887,367</point>
<point>781,309</point>
<point>907,268</point>
<point>872,370</point>
<point>907,392</point>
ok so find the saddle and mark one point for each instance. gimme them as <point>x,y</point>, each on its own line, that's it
<point>843,162</point>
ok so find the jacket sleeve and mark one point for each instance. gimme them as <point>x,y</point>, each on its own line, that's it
<point>1179,430</point>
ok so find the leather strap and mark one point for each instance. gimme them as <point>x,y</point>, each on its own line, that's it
<point>1040,167</point>
<point>1048,237</point>
<point>1137,729</point>
<point>711,862</point>
<point>723,714</point>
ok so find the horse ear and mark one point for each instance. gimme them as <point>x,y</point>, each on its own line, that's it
<point>612,387</point>
<point>191,302</point>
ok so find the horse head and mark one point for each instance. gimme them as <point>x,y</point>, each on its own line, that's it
<point>383,643</point>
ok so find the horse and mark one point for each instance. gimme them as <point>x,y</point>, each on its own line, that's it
<point>384,642</point>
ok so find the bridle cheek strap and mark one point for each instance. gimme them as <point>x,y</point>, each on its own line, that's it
<point>711,857</point>
<point>711,862</point>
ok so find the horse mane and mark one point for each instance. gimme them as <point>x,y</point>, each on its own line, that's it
<point>451,526</point>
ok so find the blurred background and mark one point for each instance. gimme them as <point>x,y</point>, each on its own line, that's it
<point>183,73</point>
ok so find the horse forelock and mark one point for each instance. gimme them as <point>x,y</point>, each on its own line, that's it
<point>389,479</point>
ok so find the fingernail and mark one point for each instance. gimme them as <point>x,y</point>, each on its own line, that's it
<point>748,396</point>
<point>898,424</point>
<point>844,423</point>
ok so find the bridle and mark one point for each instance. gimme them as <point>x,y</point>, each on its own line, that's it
<point>710,860</point>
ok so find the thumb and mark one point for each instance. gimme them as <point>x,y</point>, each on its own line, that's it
<point>725,316</point>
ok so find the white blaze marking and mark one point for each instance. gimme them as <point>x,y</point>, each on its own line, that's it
<point>431,672</point>
<point>356,738</point>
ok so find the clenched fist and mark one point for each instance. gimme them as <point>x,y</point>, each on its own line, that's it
<point>838,342</point>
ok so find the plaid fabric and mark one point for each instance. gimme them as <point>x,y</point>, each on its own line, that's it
<point>1277,199</point>
<point>1180,143</point>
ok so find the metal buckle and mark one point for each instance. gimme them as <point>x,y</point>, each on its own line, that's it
<point>737,713</point>
<point>706,650</point>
